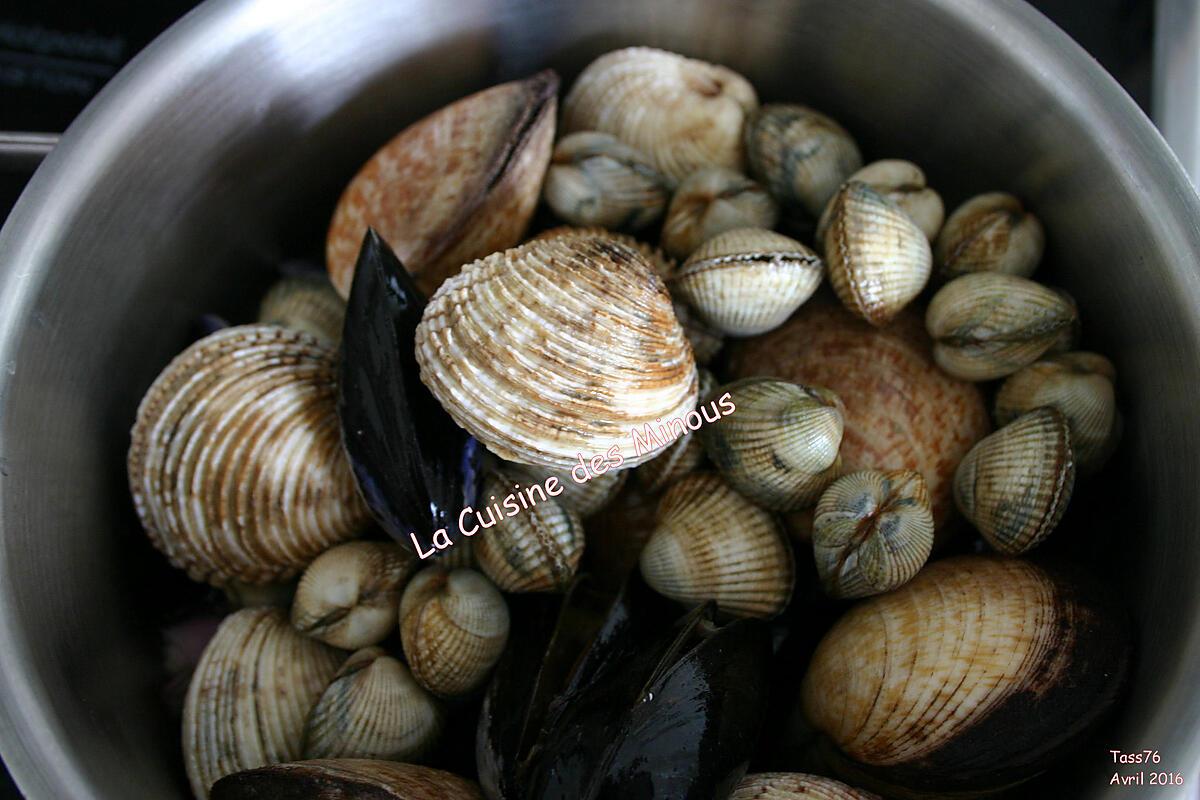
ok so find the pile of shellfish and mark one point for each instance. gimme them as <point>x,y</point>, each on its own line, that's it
<point>653,445</point>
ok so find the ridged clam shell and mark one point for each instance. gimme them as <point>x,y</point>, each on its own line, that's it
<point>680,457</point>
<point>345,778</point>
<point>901,411</point>
<point>348,596</point>
<point>989,324</point>
<point>748,280</point>
<point>236,463</point>
<point>1080,385</point>
<point>536,550</point>
<point>250,695</point>
<point>902,183</point>
<point>663,264</point>
<point>801,155</point>
<point>795,786</point>
<point>990,233</point>
<point>584,498</point>
<point>878,259</point>
<point>594,179</point>
<point>453,626</point>
<point>872,532</point>
<point>683,113</point>
<point>780,447</point>
<point>556,348</point>
<point>459,184</point>
<point>970,677</point>
<point>372,709</point>
<point>710,543</point>
<point>1015,484</point>
<point>307,303</point>
<point>705,340</point>
<point>711,201</point>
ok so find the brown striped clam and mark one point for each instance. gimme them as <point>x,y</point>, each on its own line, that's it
<point>584,497</point>
<point>681,456</point>
<point>594,179</point>
<point>681,112</point>
<point>349,594</point>
<point>990,233</point>
<point>459,184</point>
<point>556,349</point>
<point>902,183</point>
<point>795,786</point>
<point>968,679</point>
<point>711,201</point>
<point>236,463</point>
<point>990,324</point>
<point>373,709</point>
<point>345,778</point>
<point>250,696</point>
<point>878,259</point>
<point>747,281</point>
<point>663,264</point>
<point>1015,484</point>
<point>780,447</point>
<point>307,303</point>
<point>872,531</point>
<point>453,627</point>
<point>710,543</point>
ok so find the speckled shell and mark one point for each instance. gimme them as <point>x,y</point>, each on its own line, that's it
<point>872,531</point>
<point>594,179</point>
<point>373,709</point>
<point>710,543</point>
<point>780,447</point>
<point>343,778</point>
<point>901,411</point>
<point>712,201</point>
<point>878,259</point>
<point>453,626</point>
<point>706,341</point>
<point>453,187</point>
<point>680,457</point>
<point>537,550</point>
<point>584,498</point>
<point>556,348</point>
<point>795,786</point>
<point>902,183</point>
<point>236,463</point>
<point>1080,385</point>
<point>1015,484</point>
<point>683,113</point>
<point>663,264</point>
<point>348,596</point>
<point>972,676</point>
<point>990,233</point>
<point>748,280</point>
<point>988,324</point>
<point>305,302</point>
<point>801,155</point>
<point>250,695</point>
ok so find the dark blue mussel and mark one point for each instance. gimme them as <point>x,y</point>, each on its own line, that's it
<point>415,467</point>
<point>616,697</point>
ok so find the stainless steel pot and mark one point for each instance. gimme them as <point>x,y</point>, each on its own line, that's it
<point>223,146</point>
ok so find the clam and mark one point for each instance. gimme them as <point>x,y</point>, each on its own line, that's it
<point>748,280</point>
<point>556,349</point>
<point>236,463</point>
<point>584,497</point>
<point>878,258</point>
<point>1015,484</point>
<point>710,543</point>
<point>801,155</point>
<point>459,184</point>
<point>683,113</point>
<point>711,201</point>
<point>872,531</point>
<point>990,233</point>
<point>453,626</point>
<point>305,302</point>
<point>250,695</point>
<point>533,550</point>
<point>681,456</point>
<point>989,324</point>
<point>902,183</point>
<point>795,786</point>
<point>780,448</point>
<point>348,596</point>
<point>344,778</point>
<point>594,179</point>
<point>971,677</point>
<point>1080,385</point>
<point>663,264</point>
<point>900,410</point>
<point>372,709</point>
<point>706,341</point>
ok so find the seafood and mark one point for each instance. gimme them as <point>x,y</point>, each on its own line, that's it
<point>305,302</point>
<point>705,340</point>
<point>593,179</point>
<point>795,786</point>
<point>680,457</point>
<point>584,498</point>
<point>663,264</point>
<point>990,233</point>
<point>711,201</point>
<point>801,155</point>
<point>343,778</point>
<point>903,184</point>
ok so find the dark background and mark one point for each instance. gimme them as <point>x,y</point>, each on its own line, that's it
<point>54,56</point>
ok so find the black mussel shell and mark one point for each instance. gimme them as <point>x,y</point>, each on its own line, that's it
<point>414,466</point>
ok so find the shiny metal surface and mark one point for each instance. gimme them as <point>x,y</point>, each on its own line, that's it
<point>224,145</point>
